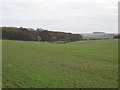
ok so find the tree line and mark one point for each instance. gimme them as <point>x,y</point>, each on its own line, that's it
<point>28,34</point>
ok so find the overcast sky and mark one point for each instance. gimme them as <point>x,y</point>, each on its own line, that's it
<point>76,16</point>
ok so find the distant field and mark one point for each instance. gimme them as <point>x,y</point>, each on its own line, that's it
<point>83,64</point>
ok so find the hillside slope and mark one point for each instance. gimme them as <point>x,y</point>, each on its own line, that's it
<point>85,64</point>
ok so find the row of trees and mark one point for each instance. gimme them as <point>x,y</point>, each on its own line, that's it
<point>13,33</point>
<point>116,36</point>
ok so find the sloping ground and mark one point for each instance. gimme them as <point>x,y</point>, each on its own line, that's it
<point>84,64</point>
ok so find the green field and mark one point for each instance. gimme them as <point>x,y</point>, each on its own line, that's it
<point>83,64</point>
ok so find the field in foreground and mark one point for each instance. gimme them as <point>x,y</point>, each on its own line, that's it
<point>84,64</point>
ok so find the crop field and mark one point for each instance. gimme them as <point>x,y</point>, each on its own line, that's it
<point>82,64</point>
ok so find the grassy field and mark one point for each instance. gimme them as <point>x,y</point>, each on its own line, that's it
<point>83,64</point>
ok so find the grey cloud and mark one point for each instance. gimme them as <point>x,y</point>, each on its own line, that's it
<point>83,16</point>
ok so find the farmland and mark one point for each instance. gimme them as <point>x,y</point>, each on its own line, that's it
<point>82,64</point>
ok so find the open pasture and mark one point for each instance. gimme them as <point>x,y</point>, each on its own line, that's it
<point>82,64</point>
